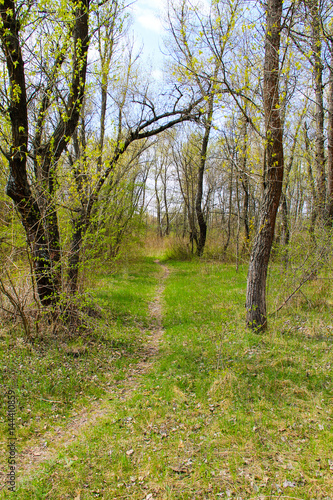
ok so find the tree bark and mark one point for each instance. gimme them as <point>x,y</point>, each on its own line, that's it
<point>330,142</point>
<point>319,107</point>
<point>38,215</point>
<point>158,209</point>
<point>18,188</point>
<point>75,253</point>
<point>202,223</point>
<point>245,185</point>
<point>314,208</point>
<point>285,226</point>
<point>198,200</point>
<point>165,201</point>
<point>225,247</point>
<point>273,173</point>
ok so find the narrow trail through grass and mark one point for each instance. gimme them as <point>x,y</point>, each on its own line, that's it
<point>190,404</point>
<point>32,456</point>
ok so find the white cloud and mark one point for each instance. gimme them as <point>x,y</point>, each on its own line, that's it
<point>148,29</point>
<point>153,4</point>
<point>157,74</point>
<point>148,20</point>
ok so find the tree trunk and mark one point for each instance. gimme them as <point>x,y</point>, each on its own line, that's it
<point>273,173</point>
<point>238,223</point>
<point>285,236</point>
<point>314,209</point>
<point>158,209</point>
<point>38,214</point>
<point>18,188</point>
<point>198,201</point>
<point>319,103</point>
<point>330,143</point>
<point>75,253</point>
<point>225,247</point>
<point>245,185</point>
<point>165,199</point>
<point>285,229</point>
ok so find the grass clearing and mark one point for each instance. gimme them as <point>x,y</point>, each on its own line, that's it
<point>222,413</point>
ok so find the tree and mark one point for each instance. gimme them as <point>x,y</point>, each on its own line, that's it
<point>317,63</point>
<point>273,172</point>
<point>197,65</point>
<point>330,136</point>
<point>46,100</point>
<point>41,145</point>
<point>311,36</point>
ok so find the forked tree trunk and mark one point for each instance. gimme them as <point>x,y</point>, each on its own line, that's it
<point>202,223</point>
<point>37,213</point>
<point>18,188</point>
<point>273,173</point>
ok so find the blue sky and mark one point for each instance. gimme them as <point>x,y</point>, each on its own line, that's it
<point>148,19</point>
<point>148,29</point>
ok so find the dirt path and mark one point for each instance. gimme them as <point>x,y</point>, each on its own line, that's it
<point>30,457</point>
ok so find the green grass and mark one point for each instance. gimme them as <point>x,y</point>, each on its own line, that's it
<point>54,378</point>
<point>223,413</point>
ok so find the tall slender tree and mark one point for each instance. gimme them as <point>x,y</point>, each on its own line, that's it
<point>273,172</point>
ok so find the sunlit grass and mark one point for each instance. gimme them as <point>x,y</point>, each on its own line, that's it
<point>223,413</point>
<point>53,378</point>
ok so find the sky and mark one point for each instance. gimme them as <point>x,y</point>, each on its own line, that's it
<point>148,30</point>
<point>148,19</point>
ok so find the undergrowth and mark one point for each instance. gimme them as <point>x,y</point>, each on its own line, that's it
<point>222,413</point>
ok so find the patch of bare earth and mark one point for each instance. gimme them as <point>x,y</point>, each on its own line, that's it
<point>62,437</point>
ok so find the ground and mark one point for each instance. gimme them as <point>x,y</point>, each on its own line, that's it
<point>174,398</point>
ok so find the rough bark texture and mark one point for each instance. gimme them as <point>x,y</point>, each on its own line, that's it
<point>18,187</point>
<point>330,143</point>
<point>319,102</point>
<point>39,218</point>
<point>273,173</point>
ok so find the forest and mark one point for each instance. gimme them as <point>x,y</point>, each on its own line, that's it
<point>166,251</point>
